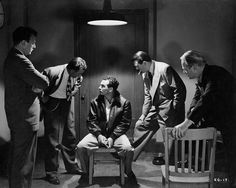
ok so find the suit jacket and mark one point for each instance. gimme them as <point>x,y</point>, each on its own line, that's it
<point>166,94</point>
<point>21,103</point>
<point>55,75</point>
<point>214,101</point>
<point>119,121</point>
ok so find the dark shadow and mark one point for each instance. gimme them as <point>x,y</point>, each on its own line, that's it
<point>46,60</point>
<point>4,150</point>
<point>172,52</point>
<point>111,55</point>
<point>107,181</point>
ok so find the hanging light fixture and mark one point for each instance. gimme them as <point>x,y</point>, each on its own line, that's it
<point>108,17</point>
<point>1,15</point>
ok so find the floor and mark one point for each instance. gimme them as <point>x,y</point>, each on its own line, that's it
<point>148,176</point>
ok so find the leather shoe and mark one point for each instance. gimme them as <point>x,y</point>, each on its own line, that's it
<point>158,161</point>
<point>52,179</point>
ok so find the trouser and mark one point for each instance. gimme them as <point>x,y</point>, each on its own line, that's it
<point>229,140</point>
<point>144,131</point>
<point>90,143</point>
<point>59,137</point>
<point>22,157</point>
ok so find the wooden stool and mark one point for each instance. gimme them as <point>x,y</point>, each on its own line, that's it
<point>111,160</point>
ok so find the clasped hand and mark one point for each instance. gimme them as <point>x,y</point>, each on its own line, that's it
<point>107,142</point>
<point>180,130</point>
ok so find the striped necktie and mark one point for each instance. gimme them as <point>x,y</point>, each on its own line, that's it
<point>68,89</point>
<point>150,76</point>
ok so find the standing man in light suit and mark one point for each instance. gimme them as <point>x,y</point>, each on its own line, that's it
<point>164,98</point>
<point>65,81</point>
<point>22,106</point>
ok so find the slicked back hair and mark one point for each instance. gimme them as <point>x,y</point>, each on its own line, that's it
<point>140,57</point>
<point>112,82</point>
<point>77,64</point>
<point>192,57</point>
<point>23,33</point>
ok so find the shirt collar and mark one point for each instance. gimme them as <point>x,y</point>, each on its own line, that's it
<point>152,67</point>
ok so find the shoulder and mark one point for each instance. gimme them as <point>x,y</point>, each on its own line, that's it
<point>55,69</point>
<point>124,101</point>
<point>161,66</point>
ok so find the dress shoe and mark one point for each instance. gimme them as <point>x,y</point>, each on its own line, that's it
<point>52,179</point>
<point>131,179</point>
<point>158,161</point>
<point>76,171</point>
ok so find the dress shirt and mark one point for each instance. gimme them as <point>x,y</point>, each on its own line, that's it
<point>108,108</point>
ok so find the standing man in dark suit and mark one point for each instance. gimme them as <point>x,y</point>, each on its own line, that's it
<point>22,106</point>
<point>213,104</point>
<point>64,82</point>
<point>164,100</point>
<point>108,120</point>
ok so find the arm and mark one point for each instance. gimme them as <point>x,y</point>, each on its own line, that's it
<point>26,71</point>
<point>208,100</point>
<point>92,120</point>
<point>147,104</point>
<point>177,87</point>
<point>195,99</point>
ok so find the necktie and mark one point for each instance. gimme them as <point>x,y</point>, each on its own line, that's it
<point>68,89</point>
<point>150,77</point>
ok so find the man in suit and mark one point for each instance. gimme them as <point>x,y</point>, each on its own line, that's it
<point>22,106</point>
<point>108,120</point>
<point>213,103</point>
<point>164,98</point>
<point>64,82</point>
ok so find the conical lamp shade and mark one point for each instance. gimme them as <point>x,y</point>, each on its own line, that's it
<point>108,17</point>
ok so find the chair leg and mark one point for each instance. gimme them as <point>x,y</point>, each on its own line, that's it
<point>91,166</point>
<point>122,171</point>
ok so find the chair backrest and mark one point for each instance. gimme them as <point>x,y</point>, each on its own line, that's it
<point>194,154</point>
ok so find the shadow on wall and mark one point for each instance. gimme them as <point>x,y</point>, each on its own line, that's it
<point>172,52</point>
<point>46,60</point>
<point>111,55</point>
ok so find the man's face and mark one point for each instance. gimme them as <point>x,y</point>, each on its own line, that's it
<point>140,67</point>
<point>103,88</point>
<point>189,71</point>
<point>29,46</point>
<point>76,74</point>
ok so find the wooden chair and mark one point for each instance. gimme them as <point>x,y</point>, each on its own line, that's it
<point>111,160</point>
<point>194,158</point>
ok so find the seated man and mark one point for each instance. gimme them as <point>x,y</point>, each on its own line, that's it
<point>108,120</point>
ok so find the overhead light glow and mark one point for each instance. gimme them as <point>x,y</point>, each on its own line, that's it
<point>107,22</point>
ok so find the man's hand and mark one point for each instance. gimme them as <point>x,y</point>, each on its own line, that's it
<point>36,90</point>
<point>110,142</point>
<point>75,90</point>
<point>102,140</point>
<point>180,129</point>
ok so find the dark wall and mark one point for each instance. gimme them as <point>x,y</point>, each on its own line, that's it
<point>174,27</point>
